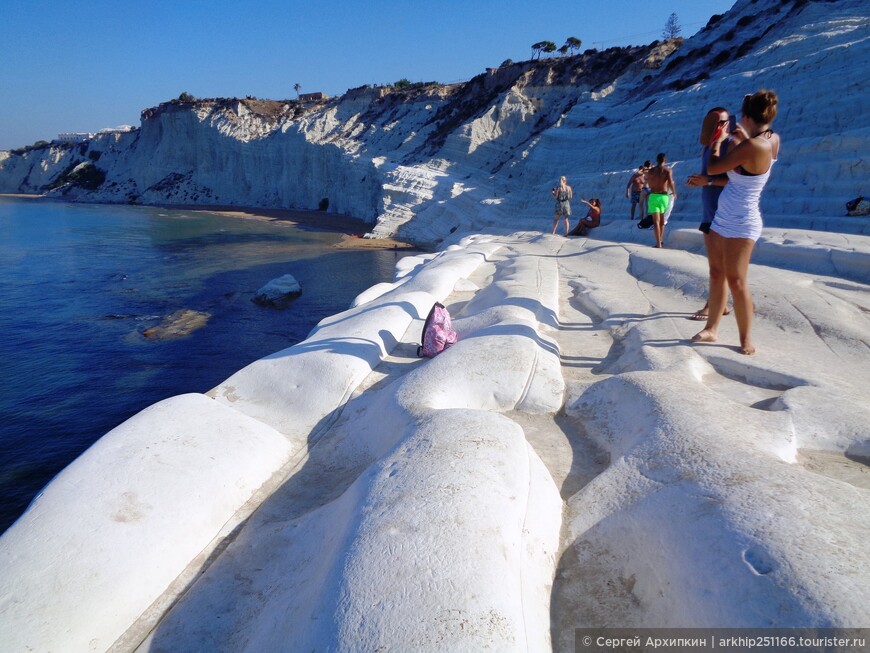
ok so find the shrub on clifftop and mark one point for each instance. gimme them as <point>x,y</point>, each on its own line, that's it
<point>85,175</point>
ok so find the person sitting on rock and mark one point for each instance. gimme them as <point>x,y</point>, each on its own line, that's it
<point>592,219</point>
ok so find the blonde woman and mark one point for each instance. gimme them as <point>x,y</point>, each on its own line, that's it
<point>737,223</point>
<point>562,194</point>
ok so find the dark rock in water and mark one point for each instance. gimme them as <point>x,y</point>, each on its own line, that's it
<point>278,293</point>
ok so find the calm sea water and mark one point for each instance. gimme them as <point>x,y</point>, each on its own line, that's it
<point>79,284</point>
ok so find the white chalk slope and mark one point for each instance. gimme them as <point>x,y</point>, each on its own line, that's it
<point>345,494</point>
<point>814,57</point>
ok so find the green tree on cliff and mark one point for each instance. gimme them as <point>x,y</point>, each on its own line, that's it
<point>672,27</point>
<point>573,44</point>
<point>542,46</point>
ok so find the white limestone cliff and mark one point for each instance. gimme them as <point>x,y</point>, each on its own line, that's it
<point>425,164</point>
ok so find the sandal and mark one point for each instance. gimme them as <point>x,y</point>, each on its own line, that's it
<point>701,313</point>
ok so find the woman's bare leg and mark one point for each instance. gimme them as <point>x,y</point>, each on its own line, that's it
<point>738,251</point>
<point>703,312</point>
<point>555,222</point>
<point>718,288</point>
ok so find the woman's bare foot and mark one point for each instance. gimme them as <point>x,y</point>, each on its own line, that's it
<point>747,348</point>
<point>702,314</point>
<point>705,335</point>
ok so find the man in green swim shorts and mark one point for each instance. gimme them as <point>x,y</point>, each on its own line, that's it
<point>661,180</point>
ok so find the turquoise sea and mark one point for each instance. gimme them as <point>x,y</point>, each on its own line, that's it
<point>79,286</point>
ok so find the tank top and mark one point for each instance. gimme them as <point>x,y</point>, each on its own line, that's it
<point>738,214</point>
<point>710,194</point>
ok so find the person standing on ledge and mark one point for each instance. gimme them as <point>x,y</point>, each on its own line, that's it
<point>635,184</point>
<point>562,194</point>
<point>711,186</point>
<point>661,182</point>
<point>737,223</point>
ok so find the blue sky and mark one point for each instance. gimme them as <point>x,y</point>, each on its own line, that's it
<point>82,65</point>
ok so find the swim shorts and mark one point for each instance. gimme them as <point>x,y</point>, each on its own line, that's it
<point>657,203</point>
<point>635,197</point>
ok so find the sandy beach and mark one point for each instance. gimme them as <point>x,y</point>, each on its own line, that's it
<point>353,229</point>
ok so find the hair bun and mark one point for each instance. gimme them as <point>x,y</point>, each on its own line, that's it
<point>761,106</point>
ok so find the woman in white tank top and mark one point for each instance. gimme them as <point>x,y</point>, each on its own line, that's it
<point>737,224</point>
<point>738,215</point>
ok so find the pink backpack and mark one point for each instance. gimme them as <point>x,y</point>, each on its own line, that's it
<point>438,333</point>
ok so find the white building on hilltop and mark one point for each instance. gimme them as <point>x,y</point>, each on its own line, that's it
<point>73,137</point>
<point>79,137</point>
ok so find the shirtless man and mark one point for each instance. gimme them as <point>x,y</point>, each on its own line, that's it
<point>635,185</point>
<point>660,180</point>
